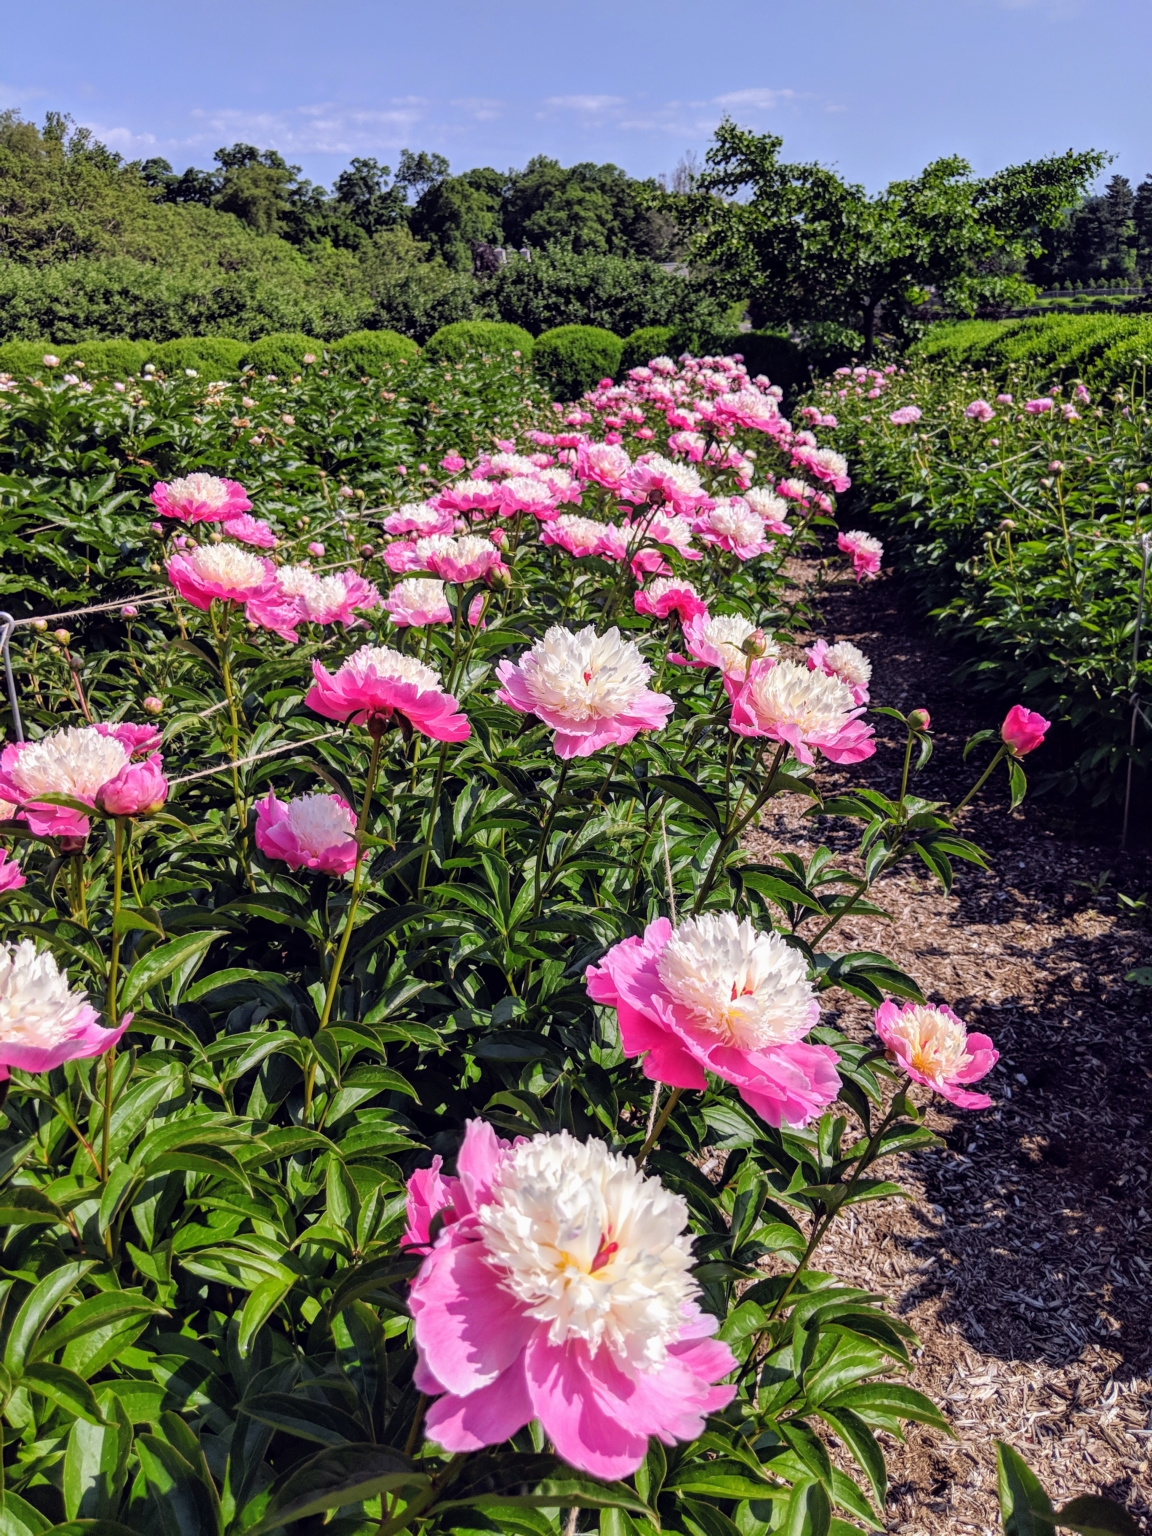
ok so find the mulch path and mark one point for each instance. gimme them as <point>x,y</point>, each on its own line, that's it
<point>1024,1257</point>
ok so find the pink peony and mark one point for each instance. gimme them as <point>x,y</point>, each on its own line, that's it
<point>770,508</point>
<point>138,740</point>
<point>559,1289</point>
<point>316,550</point>
<point>251,530</point>
<point>470,496</point>
<point>669,594</point>
<point>416,601</point>
<point>591,689</point>
<point>845,661</point>
<point>727,641</point>
<point>310,832</point>
<point>580,536</point>
<point>466,559</point>
<point>527,493</point>
<point>1003,399</point>
<point>375,683</point>
<point>932,1045</point>
<point>658,479</point>
<point>138,789</point>
<point>716,995</point>
<point>200,498</point>
<point>811,711</point>
<point>42,1022</point>
<point>905,416</point>
<point>732,525</point>
<point>979,410</point>
<point>750,409</point>
<point>1039,407</point>
<point>228,574</point>
<point>452,462</point>
<point>604,465</point>
<point>1023,730</point>
<point>420,518</point>
<point>332,599</point>
<point>652,528</point>
<point>11,875</point>
<point>866,552</point>
<point>826,465</point>
<point>78,761</point>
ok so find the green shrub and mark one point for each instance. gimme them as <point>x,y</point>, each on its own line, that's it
<point>23,357</point>
<point>464,339</point>
<point>282,353</point>
<point>213,356</point>
<point>574,358</point>
<point>648,342</point>
<point>117,359</point>
<point>373,352</point>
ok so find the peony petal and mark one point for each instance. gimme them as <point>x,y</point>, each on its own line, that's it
<point>468,1328</point>
<point>488,1416</point>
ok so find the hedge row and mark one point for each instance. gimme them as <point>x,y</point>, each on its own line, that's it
<point>572,358</point>
<point>1107,350</point>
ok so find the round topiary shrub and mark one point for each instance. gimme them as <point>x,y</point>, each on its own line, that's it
<point>643,345</point>
<point>23,357</point>
<point>282,353</point>
<point>212,356</point>
<point>574,358</point>
<point>466,338</point>
<point>116,359</point>
<point>373,352</point>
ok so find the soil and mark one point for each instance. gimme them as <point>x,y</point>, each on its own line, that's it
<point>1023,1257</point>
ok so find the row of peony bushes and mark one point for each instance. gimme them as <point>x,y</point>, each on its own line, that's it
<point>1018,510</point>
<point>569,358</point>
<point>420,1110</point>
<point>1107,351</point>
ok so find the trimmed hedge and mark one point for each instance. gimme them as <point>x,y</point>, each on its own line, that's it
<point>373,352</point>
<point>648,342</point>
<point>454,343</point>
<point>23,357</point>
<point>574,358</point>
<point>282,353</point>
<point>214,356</point>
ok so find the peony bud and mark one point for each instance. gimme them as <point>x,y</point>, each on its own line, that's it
<point>366,551</point>
<point>1142,487</point>
<point>755,645</point>
<point>129,611</point>
<point>137,790</point>
<point>1006,525</point>
<point>919,719</point>
<point>1023,730</point>
<point>315,549</point>
<point>40,625</point>
<point>1055,467</point>
<point>153,705</point>
<point>63,635</point>
<point>50,361</point>
<point>346,491</point>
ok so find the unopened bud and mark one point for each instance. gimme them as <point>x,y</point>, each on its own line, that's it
<point>1142,487</point>
<point>129,611</point>
<point>152,705</point>
<point>755,645</point>
<point>63,635</point>
<point>40,625</point>
<point>1055,467</point>
<point>1006,525</point>
<point>500,576</point>
<point>919,719</point>
<point>366,551</point>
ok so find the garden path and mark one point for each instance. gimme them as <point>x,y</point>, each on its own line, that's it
<point>1024,1258</point>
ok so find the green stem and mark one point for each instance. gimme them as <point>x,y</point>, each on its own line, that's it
<point>982,780</point>
<point>111,1010</point>
<point>661,1121</point>
<point>349,918</point>
<point>735,826</point>
<point>433,815</point>
<point>545,834</point>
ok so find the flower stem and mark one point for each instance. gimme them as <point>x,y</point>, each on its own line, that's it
<point>349,918</point>
<point>433,815</point>
<point>661,1121</point>
<point>980,782</point>
<point>111,1010</point>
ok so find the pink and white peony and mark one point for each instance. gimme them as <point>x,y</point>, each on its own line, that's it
<point>417,601</point>
<point>200,498</point>
<point>934,1047</point>
<point>733,526</point>
<point>334,598</point>
<point>866,552</point>
<point>810,711</point>
<point>826,464</point>
<point>228,574</point>
<point>580,536</point>
<point>717,995</point>
<point>310,832</point>
<point>420,518</point>
<point>591,689</point>
<point>77,761</point>
<point>845,661</point>
<point>728,641</point>
<point>669,594</point>
<point>559,1289</point>
<point>42,1022</point>
<point>376,683</point>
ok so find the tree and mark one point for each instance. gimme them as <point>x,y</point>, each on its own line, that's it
<point>363,194</point>
<point>805,245</point>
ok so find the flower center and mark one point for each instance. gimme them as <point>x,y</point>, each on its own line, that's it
<point>385,662</point>
<point>788,694</point>
<point>936,1043</point>
<point>36,1006</point>
<point>848,663</point>
<point>198,490</point>
<point>227,565</point>
<point>585,676</point>
<point>589,1246</point>
<point>75,761</point>
<point>320,822</point>
<point>750,989</point>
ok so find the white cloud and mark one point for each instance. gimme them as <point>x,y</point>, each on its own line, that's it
<point>482,109</point>
<point>764,100</point>
<point>592,104</point>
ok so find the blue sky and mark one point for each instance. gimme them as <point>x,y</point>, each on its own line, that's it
<point>875,87</point>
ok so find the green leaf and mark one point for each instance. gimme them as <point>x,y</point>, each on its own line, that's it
<point>1093,1515</point>
<point>1025,1508</point>
<point>161,962</point>
<point>64,1388</point>
<point>96,1462</point>
<point>19,1518</point>
<point>261,1303</point>
<point>809,1511</point>
<point>96,1312</point>
<point>21,1205</point>
<point>690,794</point>
<point>181,1503</point>
<point>337,1477</point>
<point>864,1447</point>
<point>38,1307</point>
<point>885,1405</point>
<point>308,1417</point>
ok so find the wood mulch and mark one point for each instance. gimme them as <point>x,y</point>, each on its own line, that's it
<point>1023,1258</point>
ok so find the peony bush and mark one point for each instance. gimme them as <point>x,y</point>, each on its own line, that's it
<point>421,1111</point>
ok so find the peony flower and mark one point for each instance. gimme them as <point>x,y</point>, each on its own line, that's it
<point>561,1291</point>
<point>229,574</point>
<point>1039,407</point>
<point>716,995</point>
<point>200,498</point>
<point>845,661</point>
<point>750,409</point>
<point>466,559</point>
<point>251,530</point>
<point>42,1022</point>
<point>331,599</point>
<point>137,740</point>
<point>138,789</point>
<point>11,875</point>
<point>932,1045</point>
<point>905,416</point>
<point>153,705</point>
<point>469,496</point>
<point>725,640</point>
<point>77,761</point>
<point>770,508</point>
<point>578,535</point>
<point>603,464</point>
<point>655,528</point>
<point>416,601</point>
<point>375,683</point>
<point>669,594</point>
<point>658,478</point>
<point>1003,399</point>
<point>591,689</point>
<point>979,410</point>
<point>452,462</point>
<point>809,710</point>
<point>733,526</point>
<point>311,832</point>
<point>420,518</point>
<point>1023,730</point>
<point>527,493</point>
<point>866,552</point>
<point>316,549</point>
<point>828,465</point>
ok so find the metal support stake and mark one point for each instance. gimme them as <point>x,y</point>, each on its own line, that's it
<point>1146,552</point>
<point>9,625</point>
